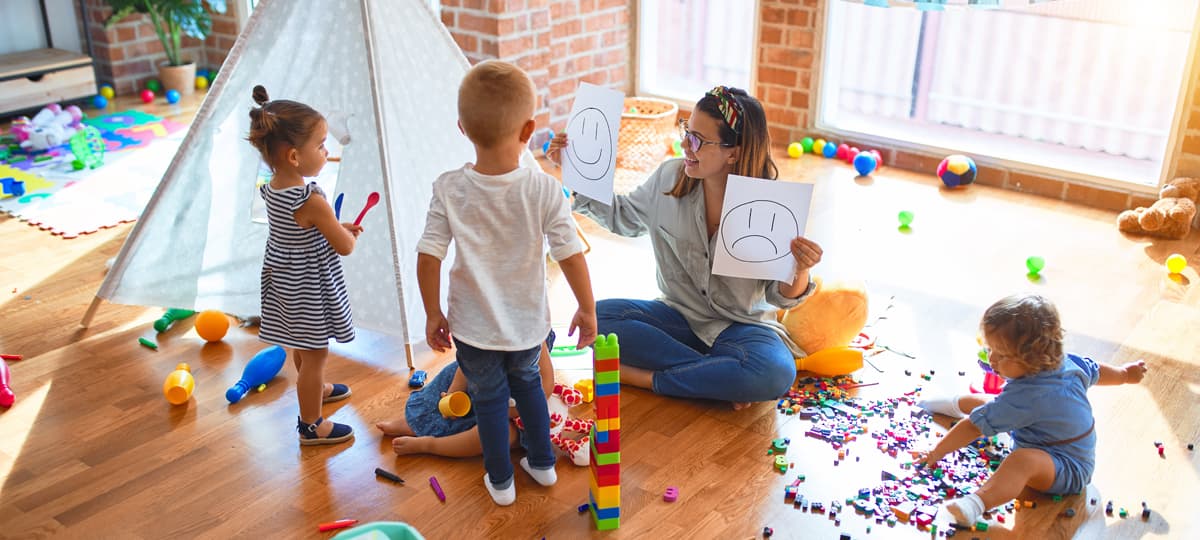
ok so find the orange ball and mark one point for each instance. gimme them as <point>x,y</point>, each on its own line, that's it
<point>212,325</point>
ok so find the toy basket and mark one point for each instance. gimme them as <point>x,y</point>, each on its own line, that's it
<point>645,136</point>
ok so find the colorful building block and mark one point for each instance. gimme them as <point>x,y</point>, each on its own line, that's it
<point>585,387</point>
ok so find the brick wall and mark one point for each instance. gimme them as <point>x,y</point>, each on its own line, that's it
<point>559,42</point>
<point>790,34</point>
<point>128,54</point>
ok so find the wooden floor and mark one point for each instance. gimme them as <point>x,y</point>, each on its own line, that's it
<point>92,450</point>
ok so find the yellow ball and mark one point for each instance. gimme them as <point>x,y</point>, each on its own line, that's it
<point>1176,263</point>
<point>818,146</point>
<point>212,325</point>
<point>107,92</point>
<point>201,83</point>
<point>795,150</point>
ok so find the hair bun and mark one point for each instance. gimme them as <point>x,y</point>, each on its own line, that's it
<point>260,95</point>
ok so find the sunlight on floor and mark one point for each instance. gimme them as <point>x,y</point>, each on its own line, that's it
<point>16,424</point>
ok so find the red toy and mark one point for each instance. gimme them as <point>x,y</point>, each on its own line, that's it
<point>147,96</point>
<point>6,393</point>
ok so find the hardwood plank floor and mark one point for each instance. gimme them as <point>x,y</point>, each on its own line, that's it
<point>92,450</point>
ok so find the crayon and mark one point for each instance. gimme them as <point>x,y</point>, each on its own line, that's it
<point>437,488</point>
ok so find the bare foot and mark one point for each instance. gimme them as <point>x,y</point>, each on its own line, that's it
<point>411,445</point>
<point>395,428</point>
<point>739,405</point>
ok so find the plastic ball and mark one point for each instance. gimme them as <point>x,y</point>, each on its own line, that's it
<point>172,96</point>
<point>212,325</point>
<point>864,163</point>
<point>201,83</point>
<point>841,151</point>
<point>851,154</point>
<point>107,91</point>
<point>1176,263</point>
<point>807,144</point>
<point>153,85</point>
<point>795,150</point>
<point>829,150</point>
<point>905,217</point>
<point>202,73</point>
<point>1035,265</point>
<point>878,158</point>
<point>677,148</point>
<point>99,101</point>
<point>819,146</point>
<point>956,170</point>
<point>147,96</point>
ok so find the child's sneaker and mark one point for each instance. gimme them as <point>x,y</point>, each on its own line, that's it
<point>545,477</point>
<point>340,392</point>
<point>966,510</point>
<point>308,433</point>
<point>502,497</point>
<point>943,405</point>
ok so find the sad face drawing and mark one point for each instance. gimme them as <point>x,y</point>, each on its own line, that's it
<point>590,151</point>
<point>759,231</point>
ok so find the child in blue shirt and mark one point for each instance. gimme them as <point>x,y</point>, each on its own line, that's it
<point>1044,406</point>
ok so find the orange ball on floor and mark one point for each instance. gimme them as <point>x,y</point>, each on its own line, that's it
<point>212,325</point>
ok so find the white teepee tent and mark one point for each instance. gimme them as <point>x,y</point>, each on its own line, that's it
<point>392,71</point>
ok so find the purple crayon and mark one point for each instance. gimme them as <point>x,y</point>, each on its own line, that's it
<point>263,367</point>
<point>437,488</point>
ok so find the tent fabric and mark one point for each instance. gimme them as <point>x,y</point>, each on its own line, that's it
<point>390,71</point>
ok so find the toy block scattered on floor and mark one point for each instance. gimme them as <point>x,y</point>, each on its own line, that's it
<point>604,486</point>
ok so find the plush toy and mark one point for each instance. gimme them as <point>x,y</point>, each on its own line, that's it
<point>563,428</point>
<point>831,317</point>
<point>1170,217</point>
<point>50,127</point>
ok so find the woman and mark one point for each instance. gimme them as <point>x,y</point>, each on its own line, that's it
<point>708,336</point>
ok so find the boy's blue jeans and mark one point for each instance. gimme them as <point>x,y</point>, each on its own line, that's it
<point>492,376</point>
<point>745,363</point>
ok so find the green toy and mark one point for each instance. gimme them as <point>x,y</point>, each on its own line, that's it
<point>88,148</point>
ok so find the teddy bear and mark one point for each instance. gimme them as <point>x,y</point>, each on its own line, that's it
<point>832,316</point>
<point>1170,217</point>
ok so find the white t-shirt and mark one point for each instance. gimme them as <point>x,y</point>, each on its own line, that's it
<point>499,225</point>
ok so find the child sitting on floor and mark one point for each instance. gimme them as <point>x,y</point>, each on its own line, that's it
<point>1044,406</point>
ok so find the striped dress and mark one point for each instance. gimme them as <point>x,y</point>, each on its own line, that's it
<point>304,302</point>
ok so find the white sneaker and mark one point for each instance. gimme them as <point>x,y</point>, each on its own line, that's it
<point>503,497</point>
<point>943,405</point>
<point>547,477</point>
<point>965,510</point>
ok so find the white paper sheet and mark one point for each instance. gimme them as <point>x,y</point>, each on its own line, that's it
<point>590,160</point>
<point>759,219</point>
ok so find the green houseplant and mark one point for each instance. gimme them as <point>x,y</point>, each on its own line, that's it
<point>171,19</point>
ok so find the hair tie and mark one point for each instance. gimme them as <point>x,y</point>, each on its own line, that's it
<point>729,107</point>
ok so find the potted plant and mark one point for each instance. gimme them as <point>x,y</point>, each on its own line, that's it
<point>171,20</point>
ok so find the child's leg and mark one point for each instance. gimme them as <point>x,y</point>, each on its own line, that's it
<point>525,383</point>
<point>969,402</point>
<point>1024,467</point>
<point>488,387</point>
<point>955,406</point>
<point>309,386</point>
<point>396,428</point>
<point>462,444</point>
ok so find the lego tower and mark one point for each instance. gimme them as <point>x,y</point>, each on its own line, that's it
<point>604,494</point>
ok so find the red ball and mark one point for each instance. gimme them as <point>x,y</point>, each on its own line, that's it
<point>878,158</point>
<point>853,153</point>
<point>842,149</point>
<point>147,96</point>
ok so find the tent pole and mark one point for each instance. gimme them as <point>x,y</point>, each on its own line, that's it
<point>408,353</point>
<point>91,312</point>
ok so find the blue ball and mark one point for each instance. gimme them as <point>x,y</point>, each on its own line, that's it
<point>99,101</point>
<point>172,96</point>
<point>830,149</point>
<point>864,163</point>
<point>202,73</point>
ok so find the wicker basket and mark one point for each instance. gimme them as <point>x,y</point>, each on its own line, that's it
<point>646,135</point>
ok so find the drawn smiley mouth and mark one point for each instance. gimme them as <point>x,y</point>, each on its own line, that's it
<point>760,239</point>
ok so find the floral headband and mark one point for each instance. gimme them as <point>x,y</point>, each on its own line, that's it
<point>730,109</point>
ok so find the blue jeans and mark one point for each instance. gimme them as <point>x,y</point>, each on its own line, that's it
<point>746,362</point>
<point>492,376</point>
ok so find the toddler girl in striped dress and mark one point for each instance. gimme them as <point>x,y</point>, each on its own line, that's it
<point>304,302</point>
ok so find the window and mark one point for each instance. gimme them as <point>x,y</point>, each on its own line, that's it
<point>686,47</point>
<point>1085,87</point>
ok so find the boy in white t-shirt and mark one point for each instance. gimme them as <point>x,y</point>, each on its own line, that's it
<point>499,216</point>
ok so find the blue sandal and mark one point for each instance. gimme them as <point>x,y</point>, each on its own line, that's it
<point>308,433</point>
<point>340,392</point>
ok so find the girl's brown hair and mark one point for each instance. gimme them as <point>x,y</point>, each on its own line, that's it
<point>752,136</point>
<point>1027,327</point>
<point>275,125</point>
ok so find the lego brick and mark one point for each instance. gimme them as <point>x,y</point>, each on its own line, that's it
<point>585,387</point>
<point>607,377</point>
<point>612,444</point>
<point>607,389</point>
<point>601,512</point>
<point>599,470</point>
<point>605,478</point>
<point>601,424</point>
<point>601,437</point>
<point>603,458</point>
<point>606,366</point>
<point>605,496</point>
<point>606,346</point>
<point>614,423</point>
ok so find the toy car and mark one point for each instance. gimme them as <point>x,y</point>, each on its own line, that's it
<point>417,379</point>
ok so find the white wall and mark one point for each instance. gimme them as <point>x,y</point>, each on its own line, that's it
<point>21,26</point>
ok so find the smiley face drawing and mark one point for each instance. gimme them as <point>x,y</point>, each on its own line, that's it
<point>590,151</point>
<point>759,231</point>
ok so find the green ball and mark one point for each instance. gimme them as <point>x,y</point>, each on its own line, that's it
<point>807,143</point>
<point>677,148</point>
<point>1035,264</point>
<point>905,218</point>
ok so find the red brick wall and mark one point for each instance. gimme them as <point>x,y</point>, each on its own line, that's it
<point>128,54</point>
<point>559,42</point>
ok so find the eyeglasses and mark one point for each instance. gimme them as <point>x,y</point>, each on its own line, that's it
<point>694,141</point>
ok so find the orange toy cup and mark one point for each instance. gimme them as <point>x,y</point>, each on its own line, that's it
<point>179,385</point>
<point>455,404</point>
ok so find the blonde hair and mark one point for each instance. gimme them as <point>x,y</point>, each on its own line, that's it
<point>496,98</point>
<point>752,136</point>
<point>280,123</point>
<point>1027,327</point>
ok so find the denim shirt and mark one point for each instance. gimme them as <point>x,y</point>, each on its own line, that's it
<point>683,256</point>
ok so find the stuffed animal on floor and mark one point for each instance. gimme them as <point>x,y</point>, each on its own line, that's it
<point>1170,217</point>
<point>563,428</point>
<point>827,321</point>
<point>50,127</point>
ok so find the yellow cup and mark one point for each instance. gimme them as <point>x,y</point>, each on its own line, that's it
<point>455,404</point>
<point>179,385</point>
